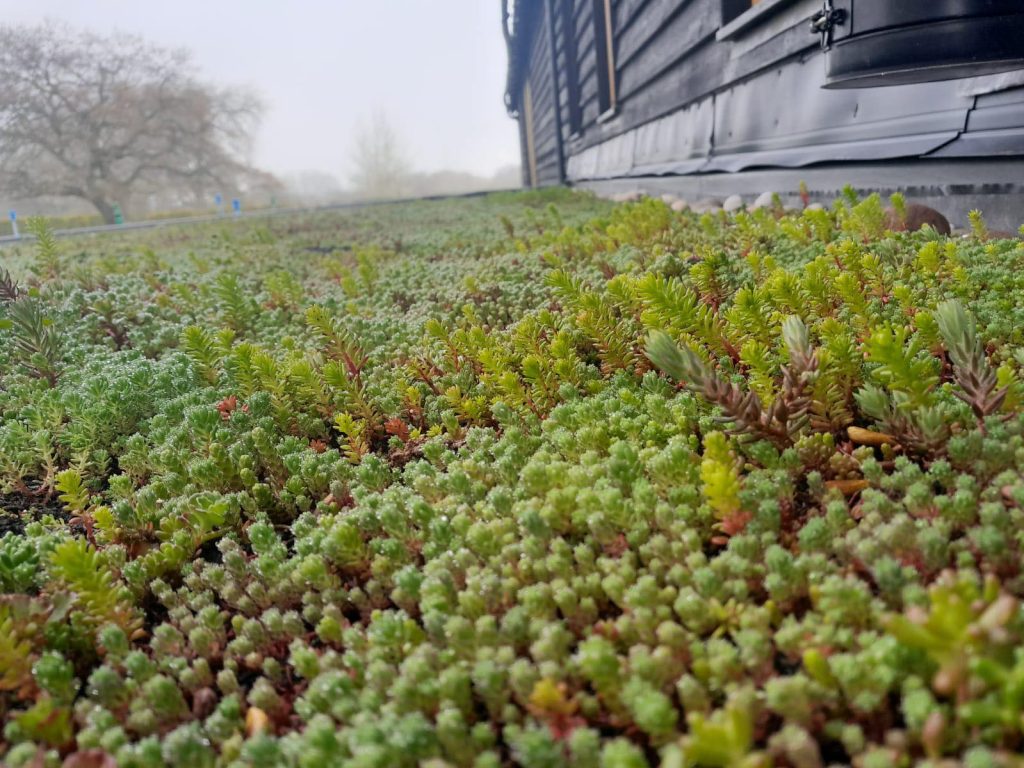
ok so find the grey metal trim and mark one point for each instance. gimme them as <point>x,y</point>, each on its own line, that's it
<point>1005,141</point>
<point>796,157</point>
<point>935,177</point>
<point>670,169</point>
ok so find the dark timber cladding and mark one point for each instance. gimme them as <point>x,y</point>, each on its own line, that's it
<point>619,89</point>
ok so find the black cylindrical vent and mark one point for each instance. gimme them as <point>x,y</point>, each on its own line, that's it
<point>893,42</point>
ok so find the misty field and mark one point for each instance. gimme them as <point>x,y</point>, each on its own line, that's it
<point>527,479</point>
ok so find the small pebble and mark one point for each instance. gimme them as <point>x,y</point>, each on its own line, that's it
<point>815,207</point>
<point>764,200</point>
<point>706,205</point>
<point>680,205</point>
<point>732,203</point>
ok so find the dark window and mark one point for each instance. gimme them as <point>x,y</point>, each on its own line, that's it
<point>604,44</point>
<point>572,66</point>
<point>733,8</point>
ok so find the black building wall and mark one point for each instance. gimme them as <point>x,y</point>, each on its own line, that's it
<point>698,92</point>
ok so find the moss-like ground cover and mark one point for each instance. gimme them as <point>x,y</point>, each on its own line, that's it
<point>528,479</point>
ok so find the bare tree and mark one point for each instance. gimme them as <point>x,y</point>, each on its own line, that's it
<point>109,118</point>
<point>381,169</point>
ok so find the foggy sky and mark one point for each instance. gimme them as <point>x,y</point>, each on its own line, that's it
<point>435,67</point>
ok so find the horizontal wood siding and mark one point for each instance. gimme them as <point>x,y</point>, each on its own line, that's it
<point>657,44</point>
<point>588,63</point>
<point>688,28</point>
<point>634,31</point>
<point>545,101</point>
<point>568,68</point>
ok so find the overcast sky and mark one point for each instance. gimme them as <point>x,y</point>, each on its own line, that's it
<point>436,68</point>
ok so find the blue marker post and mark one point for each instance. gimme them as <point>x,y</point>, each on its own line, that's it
<point>14,224</point>
<point>218,200</point>
<point>236,205</point>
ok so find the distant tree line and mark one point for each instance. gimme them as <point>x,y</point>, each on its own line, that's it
<point>382,169</point>
<point>115,120</point>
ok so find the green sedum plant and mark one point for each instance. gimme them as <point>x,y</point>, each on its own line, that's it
<point>525,479</point>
